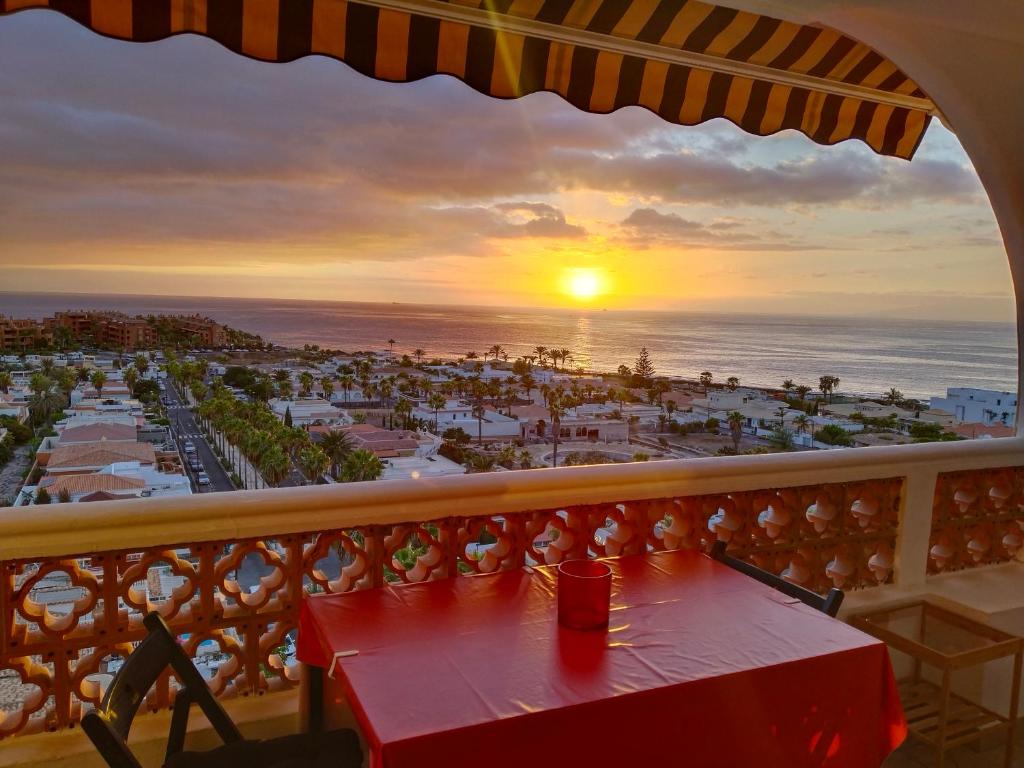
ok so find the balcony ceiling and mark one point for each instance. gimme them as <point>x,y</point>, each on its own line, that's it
<point>687,61</point>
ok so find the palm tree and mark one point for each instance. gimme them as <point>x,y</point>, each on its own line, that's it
<point>403,408</point>
<point>418,354</point>
<point>142,363</point>
<point>47,366</point>
<point>44,404</point>
<point>565,354</point>
<point>732,382</point>
<point>436,401</point>
<point>802,391</point>
<point>305,384</point>
<point>787,385</point>
<point>346,381</point>
<point>313,462</point>
<point>705,380</point>
<point>336,445</point>
<point>284,389</point>
<point>893,396</point>
<point>98,379</point>
<point>274,465</point>
<point>541,353</point>
<point>735,419</point>
<point>670,407</point>
<point>527,382</point>
<point>802,423</point>
<point>131,378</point>
<point>66,380</point>
<point>556,409</point>
<point>496,351</point>
<point>327,387</point>
<point>386,389</point>
<point>391,345</point>
<point>361,465</point>
<point>471,355</point>
<point>6,380</point>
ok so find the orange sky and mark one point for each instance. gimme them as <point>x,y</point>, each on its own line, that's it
<point>179,168</point>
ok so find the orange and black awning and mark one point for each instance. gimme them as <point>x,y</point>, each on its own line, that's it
<point>686,60</point>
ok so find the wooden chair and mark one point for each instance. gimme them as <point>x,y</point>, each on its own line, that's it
<point>108,725</point>
<point>829,604</point>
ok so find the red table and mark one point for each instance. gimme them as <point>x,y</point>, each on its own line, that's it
<point>700,666</point>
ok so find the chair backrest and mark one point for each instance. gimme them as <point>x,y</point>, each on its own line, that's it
<point>829,604</point>
<point>108,725</point>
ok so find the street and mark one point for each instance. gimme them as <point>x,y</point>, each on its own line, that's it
<point>184,427</point>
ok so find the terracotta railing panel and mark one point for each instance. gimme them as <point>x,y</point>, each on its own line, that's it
<point>977,518</point>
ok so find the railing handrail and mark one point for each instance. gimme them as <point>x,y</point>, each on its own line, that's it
<point>70,529</point>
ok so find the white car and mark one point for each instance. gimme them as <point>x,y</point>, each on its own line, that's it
<point>202,478</point>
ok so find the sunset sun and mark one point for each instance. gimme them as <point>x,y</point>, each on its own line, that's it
<point>583,284</point>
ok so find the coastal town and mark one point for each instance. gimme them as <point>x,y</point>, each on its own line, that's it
<point>103,406</point>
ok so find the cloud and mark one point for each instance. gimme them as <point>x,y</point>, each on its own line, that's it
<point>644,227</point>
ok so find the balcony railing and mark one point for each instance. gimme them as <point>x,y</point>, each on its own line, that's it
<point>228,571</point>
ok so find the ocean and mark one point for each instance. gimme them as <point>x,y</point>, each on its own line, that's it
<point>869,355</point>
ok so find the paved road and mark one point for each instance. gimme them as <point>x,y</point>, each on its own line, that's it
<point>184,427</point>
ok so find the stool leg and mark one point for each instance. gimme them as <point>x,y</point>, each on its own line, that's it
<point>940,734</point>
<point>316,699</point>
<point>1014,702</point>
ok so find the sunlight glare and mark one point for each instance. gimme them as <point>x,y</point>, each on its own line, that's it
<point>583,284</point>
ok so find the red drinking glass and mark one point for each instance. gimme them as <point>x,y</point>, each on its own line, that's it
<point>584,594</point>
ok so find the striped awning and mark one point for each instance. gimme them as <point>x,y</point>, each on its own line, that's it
<point>686,60</point>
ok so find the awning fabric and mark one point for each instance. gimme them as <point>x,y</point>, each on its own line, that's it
<point>688,61</point>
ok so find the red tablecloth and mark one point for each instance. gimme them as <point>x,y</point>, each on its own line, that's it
<point>701,666</point>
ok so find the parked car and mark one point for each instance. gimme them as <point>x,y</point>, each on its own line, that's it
<point>202,478</point>
<point>190,447</point>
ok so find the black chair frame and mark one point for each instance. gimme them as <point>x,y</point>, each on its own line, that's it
<point>829,604</point>
<point>108,725</point>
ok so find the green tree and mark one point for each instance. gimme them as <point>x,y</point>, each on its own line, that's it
<point>403,408</point>
<point>556,410</point>
<point>98,378</point>
<point>336,445</point>
<point>735,419</point>
<point>893,396</point>
<point>313,462</point>
<point>6,380</point>
<point>787,385</point>
<point>327,387</point>
<point>141,363</point>
<point>643,367</point>
<point>781,438</point>
<point>288,417</point>
<point>305,384</point>
<point>833,434</point>
<point>274,465</point>
<point>361,465</point>
<point>42,496</point>
<point>436,402</point>
<point>732,382</point>
<point>705,380</point>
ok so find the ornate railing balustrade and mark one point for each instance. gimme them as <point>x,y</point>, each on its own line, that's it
<point>228,571</point>
<point>977,518</point>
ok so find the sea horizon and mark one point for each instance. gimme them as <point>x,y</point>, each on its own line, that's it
<point>920,357</point>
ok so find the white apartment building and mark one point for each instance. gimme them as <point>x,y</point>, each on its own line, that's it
<point>978,406</point>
